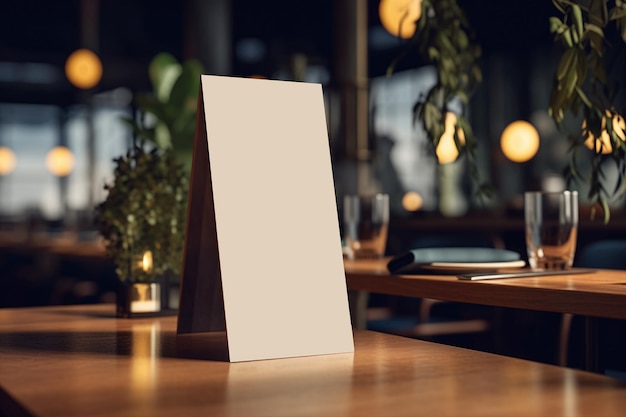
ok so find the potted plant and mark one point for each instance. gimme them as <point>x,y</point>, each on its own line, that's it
<point>168,113</point>
<point>142,218</point>
<point>142,221</point>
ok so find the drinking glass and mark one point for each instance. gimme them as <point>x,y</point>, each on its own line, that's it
<point>551,222</point>
<point>365,225</point>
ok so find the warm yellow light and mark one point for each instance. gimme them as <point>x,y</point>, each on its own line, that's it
<point>146,261</point>
<point>83,68</point>
<point>446,149</point>
<point>8,161</point>
<point>519,141</point>
<point>603,145</point>
<point>398,17</point>
<point>144,347</point>
<point>60,161</point>
<point>412,201</point>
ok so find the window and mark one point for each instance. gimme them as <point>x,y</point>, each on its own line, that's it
<point>32,130</point>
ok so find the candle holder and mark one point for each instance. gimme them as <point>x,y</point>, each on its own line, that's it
<point>141,295</point>
<point>137,299</point>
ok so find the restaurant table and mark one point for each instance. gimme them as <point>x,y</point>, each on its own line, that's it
<point>601,293</point>
<point>598,294</point>
<point>82,361</point>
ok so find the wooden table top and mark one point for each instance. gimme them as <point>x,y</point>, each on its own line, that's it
<point>598,294</point>
<point>81,361</point>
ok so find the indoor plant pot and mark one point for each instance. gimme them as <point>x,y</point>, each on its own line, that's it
<point>142,221</point>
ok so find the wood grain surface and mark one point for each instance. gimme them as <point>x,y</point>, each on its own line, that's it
<point>82,361</point>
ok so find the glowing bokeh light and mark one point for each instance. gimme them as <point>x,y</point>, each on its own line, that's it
<point>398,17</point>
<point>447,150</point>
<point>60,161</point>
<point>84,69</point>
<point>412,201</point>
<point>519,141</point>
<point>603,144</point>
<point>8,160</point>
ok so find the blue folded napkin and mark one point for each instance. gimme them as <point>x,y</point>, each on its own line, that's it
<point>423,259</point>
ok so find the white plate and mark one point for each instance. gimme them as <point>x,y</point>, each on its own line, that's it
<point>457,267</point>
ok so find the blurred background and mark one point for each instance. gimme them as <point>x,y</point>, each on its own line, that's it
<point>58,137</point>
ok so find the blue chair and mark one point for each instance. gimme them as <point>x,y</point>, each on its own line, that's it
<point>604,254</point>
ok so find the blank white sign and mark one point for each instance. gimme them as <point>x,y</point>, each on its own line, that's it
<point>276,218</point>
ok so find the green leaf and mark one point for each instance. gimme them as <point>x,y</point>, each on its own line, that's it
<point>583,97</point>
<point>598,13</point>
<point>595,29</point>
<point>163,70</point>
<point>578,22</point>
<point>462,40</point>
<point>187,86</point>
<point>570,82</point>
<point>617,13</point>
<point>567,38</point>
<point>445,43</point>
<point>567,59</point>
<point>555,24</point>
<point>162,137</point>
<point>431,116</point>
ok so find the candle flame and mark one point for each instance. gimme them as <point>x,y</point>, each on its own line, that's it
<point>146,262</point>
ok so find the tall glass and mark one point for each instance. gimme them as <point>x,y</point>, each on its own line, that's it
<point>551,221</point>
<point>365,225</point>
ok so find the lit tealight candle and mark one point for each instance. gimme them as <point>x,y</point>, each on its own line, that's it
<point>148,298</point>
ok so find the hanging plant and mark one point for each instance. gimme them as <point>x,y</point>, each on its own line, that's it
<point>444,38</point>
<point>582,84</point>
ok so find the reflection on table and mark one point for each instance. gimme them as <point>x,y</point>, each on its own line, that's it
<point>76,361</point>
